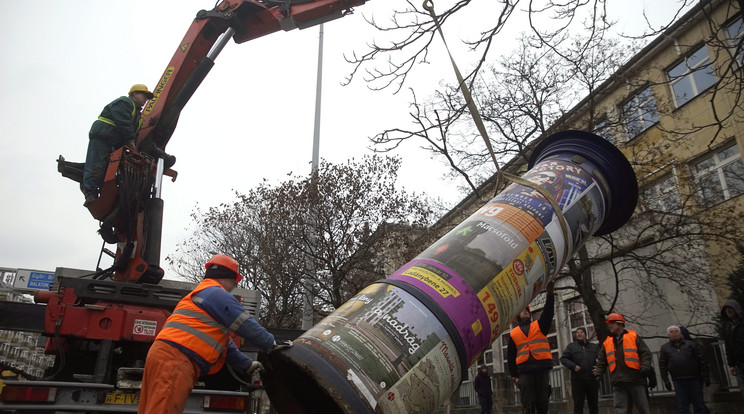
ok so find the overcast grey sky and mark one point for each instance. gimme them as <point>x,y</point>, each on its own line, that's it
<point>252,118</point>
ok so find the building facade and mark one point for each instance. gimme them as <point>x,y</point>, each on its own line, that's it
<point>675,110</point>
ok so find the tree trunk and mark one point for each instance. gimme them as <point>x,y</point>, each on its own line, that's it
<point>583,281</point>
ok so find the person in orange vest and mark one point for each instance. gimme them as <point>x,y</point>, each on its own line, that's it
<point>195,340</point>
<point>529,358</point>
<point>629,360</point>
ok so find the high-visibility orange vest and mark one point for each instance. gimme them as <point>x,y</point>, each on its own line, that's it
<point>536,343</point>
<point>192,327</point>
<point>630,351</point>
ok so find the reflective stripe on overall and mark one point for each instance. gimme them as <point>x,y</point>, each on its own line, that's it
<point>113,124</point>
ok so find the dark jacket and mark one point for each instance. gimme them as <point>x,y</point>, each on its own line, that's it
<point>683,359</point>
<point>581,353</point>
<point>482,384</point>
<point>622,373</point>
<point>733,333</point>
<point>532,365</point>
<point>125,116</point>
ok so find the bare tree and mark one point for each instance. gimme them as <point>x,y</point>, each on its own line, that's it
<point>520,97</point>
<point>533,91</point>
<point>341,229</point>
<point>403,40</point>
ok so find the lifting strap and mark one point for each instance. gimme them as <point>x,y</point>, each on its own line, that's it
<point>428,5</point>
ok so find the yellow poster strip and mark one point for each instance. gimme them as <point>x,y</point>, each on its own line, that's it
<point>504,295</point>
<point>432,279</point>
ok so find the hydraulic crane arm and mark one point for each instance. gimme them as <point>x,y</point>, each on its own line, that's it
<point>129,207</point>
<point>241,20</point>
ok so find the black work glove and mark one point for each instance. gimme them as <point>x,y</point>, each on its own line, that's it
<point>282,345</point>
<point>651,379</point>
<point>668,385</point>
<point>707,382</point>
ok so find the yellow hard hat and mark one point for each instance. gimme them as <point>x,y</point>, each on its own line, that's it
<point>138,87</point>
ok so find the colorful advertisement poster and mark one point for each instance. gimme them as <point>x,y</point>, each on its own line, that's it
<point>566,182</point>
<point>379,336</point>
<point>432,380</point>
<point>478,249</point>
<point>454,296</point>
<point>512,289</point>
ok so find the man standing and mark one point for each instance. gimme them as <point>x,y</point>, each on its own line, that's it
<point>684,360</point>
<point>629,361</point>
<point>734,337</point>
<point>528,356</point>
<point>580,357</point>
<point>195,340</point>
<point>482,385</point>
<point>117,126</point>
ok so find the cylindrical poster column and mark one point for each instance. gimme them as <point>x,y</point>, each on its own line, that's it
<point>403,344</point>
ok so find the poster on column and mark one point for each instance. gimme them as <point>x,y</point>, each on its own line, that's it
<point>575,192</point>
<point>454,296</point>
<point>512,289</point>
<point>416,391</point>
<point>381,334</point>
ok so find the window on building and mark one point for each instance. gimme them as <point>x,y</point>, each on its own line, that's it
<point>640,112</point>
<point>504,348</point>
<point>578,317</point>
<point>603,130</point>
<point>735,33</point>
<point>662,196</point>
<point>692,76</point>
<point>720,175</point>
<point>486,358</point>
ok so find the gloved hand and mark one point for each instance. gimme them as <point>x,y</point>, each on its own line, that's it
<point>651,375</point>
<point>707,382</point>
<point>131,144</point>
<point>255,366</point>
<point>667,385</point>
<point>282,345</point>
<point>550,288</point>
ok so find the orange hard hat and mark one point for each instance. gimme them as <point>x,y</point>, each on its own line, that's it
<point>226,262</point>
<point>615,317</point>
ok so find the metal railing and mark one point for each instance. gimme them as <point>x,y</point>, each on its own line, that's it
<point>727,381</point>
<point>465,396</point>
<point>718,369</point>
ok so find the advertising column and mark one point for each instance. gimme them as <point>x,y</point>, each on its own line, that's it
<point>403,344</point>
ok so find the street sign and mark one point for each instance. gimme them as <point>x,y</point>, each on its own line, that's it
<point>33,279</point>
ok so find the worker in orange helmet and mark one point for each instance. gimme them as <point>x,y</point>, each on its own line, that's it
<point>628,358</point>
<point>195,340</point>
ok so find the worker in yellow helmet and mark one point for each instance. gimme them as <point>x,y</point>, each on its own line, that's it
<point>116,126</point>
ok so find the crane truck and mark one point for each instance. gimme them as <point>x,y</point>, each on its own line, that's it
<point>99,325</point>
